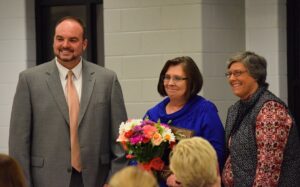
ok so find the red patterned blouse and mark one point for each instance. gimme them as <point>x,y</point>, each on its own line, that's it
<point>273,124</point>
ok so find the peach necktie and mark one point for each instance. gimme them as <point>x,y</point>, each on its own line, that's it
<point>73,103</point>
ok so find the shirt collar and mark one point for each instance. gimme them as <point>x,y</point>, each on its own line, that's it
<point>77,70</point>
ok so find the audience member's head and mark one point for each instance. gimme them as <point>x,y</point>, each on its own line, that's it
<point>194,163</point>
<point>11,174</point>
<point>132,176</point>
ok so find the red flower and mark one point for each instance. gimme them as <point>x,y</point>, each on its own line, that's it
<point>157,164</point>
<point>145,140</point>
<point>129,156</point>
<point>145,166</point>
<point>128,134</point>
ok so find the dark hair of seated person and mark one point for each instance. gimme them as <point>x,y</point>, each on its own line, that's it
<point>11,174</point>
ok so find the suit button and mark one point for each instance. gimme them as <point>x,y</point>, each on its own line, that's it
<point>69,170</point>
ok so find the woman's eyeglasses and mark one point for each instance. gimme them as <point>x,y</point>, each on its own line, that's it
<point>175,79</point>
<point>236,73</point>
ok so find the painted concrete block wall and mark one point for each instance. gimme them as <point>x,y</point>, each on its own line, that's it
<point>140,35</point>
<point>223,34</point>
<point>266,35</point>
<point>17,46</point>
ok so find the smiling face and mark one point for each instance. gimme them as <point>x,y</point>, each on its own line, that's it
<point>243,85</point>
<point>177,89</point>
<point>69,43</point>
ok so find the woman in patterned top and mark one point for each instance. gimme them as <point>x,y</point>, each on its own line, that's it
<point>262,139</point>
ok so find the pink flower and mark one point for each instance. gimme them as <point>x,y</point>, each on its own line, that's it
<point>136,139</point>
<point>148,122</point>
<point>149,131</point>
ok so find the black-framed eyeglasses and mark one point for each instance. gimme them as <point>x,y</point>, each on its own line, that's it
<point>175,79</point>
<point>236,73</point>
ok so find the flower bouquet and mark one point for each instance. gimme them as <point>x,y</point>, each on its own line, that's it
<point>145,141</point>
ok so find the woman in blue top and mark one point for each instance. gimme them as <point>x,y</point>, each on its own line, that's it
<point>180,80</point>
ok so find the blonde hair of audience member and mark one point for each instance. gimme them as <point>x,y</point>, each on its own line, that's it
<point>11,174</point>
<point>194,163</point>
<point>132,176</point>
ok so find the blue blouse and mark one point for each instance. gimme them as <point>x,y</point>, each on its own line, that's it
<point>198,114</point>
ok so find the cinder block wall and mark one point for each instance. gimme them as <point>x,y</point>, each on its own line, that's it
<point>266,34</point>
<point>17,48</point>
<point>141,35</point>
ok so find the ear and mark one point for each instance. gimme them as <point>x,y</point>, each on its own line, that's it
<point>84,45</point>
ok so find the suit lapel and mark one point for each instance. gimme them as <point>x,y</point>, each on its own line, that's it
<point>56,90</point>
<point>88,81</point>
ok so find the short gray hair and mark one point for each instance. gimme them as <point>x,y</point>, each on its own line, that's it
<point>255,64</point>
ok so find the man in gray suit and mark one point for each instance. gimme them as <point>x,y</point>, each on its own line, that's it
<point>40,126</point>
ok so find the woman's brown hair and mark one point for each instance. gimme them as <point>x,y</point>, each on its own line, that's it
<point>193,74</point>
<point>11,174</point>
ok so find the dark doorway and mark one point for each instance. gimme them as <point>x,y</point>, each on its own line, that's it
<point>293,57</point>
<point>49,12</point>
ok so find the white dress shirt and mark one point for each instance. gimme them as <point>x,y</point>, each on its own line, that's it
<point>77,78</point>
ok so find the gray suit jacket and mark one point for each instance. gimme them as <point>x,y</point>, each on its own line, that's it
<point>39,131</point>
